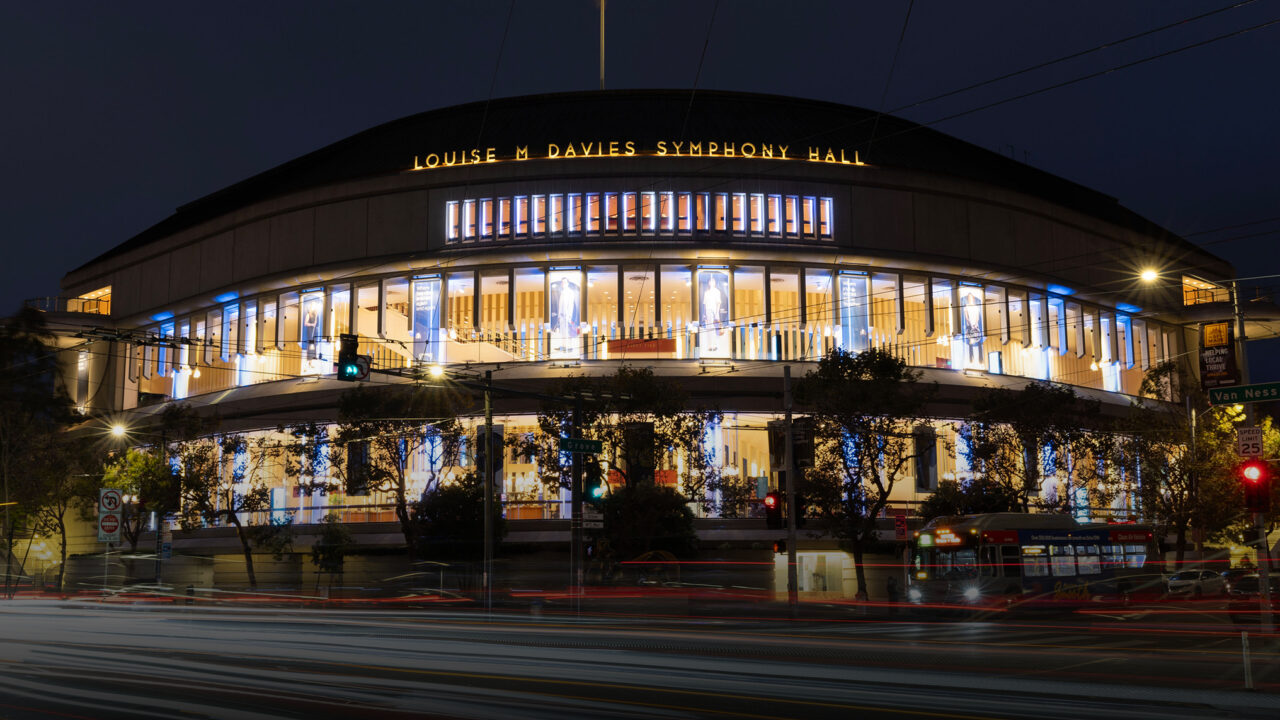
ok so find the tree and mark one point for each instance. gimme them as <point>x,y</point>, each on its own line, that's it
<point>222,481</point>
<point>143,474</point>
<point>1185,455</point>
<point>329,553</point>
<point>864,406</point>
<point>386,433</point>
<point>450,520</point>
<point>1014,439</point>
<point>645,426</point>
<point>642,518</point>
<point>33,407</point>
<point>978,496</point>
<point>62,473</point>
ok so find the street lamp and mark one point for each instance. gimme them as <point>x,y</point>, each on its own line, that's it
<point>118,430</point>
<point>1149,275</point>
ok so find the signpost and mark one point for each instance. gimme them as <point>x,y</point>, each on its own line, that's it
<point>109,527</point>
<point>581,445</point>
<point>1244,394</point>
<point>1249,442</point>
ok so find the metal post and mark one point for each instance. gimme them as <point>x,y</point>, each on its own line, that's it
<point>575,523</point>
<point>1248,662</point>
<point>157,518</point>
<point>789,463</point>
<point>487,570</point>
<point>602,2</point>
<point>1242,356</point>
<point>1264,572</point>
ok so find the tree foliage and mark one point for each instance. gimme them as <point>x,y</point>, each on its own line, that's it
<point>978,496</point>
<point>1015,439</point>
<point>381,432</point>
<point>642,518</point>
<point>449,520</point>
<point>864,406</point>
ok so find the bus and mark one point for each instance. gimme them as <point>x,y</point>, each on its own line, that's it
<point>1005,559</point>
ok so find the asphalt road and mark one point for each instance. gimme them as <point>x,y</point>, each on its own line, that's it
<point>63,659</point>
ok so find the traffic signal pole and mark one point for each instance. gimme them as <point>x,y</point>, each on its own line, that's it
<point>576,561</point>
<point>790,464</point>
<point>1264,571</point>
<point>487,571</point>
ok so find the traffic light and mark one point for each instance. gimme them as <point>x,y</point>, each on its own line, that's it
<point>594,491</point>
<point>1255,475</point>
<point>773,510</point>
<point>499,451</point>
<point>780,547</point>
<point>352,366</point>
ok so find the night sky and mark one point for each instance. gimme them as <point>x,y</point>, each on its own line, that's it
<point>117,113</point>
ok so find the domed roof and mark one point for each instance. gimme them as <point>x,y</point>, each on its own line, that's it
<point>644,116</point>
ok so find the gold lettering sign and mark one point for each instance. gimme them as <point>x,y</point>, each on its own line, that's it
<point>629,148</point>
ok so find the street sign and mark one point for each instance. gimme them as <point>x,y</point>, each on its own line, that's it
<point>900,528</point>
<point>590,513</point>
<point>1249,442</point>
<point>581,445</point>
<point>109,500</point>
<point>1245,394</point>
<point>109,527</point>
<point>593,524</point>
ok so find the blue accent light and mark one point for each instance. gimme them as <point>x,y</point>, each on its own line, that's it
<point>1060,289</point>
<point>226,297</point>
<point>162,316</point>
<point>1126,307</point>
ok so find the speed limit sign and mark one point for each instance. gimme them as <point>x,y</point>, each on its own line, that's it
<point>1249,442</point>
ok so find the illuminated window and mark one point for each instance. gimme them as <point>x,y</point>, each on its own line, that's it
<point>666,212</point>
<point>451,219</point>
<point>757,214</point>
<point>486,218</point>
<point>806,216</point>
<point>774,227</point>
<point>556,221</point>
<point>611,212</point>
<point>722,208</point>
<point>97,302</point>
<point>504,217</point>
<point>684,214</point>
<point>824,217</point>
<point>468,219</point>
<point>593,214</point>
<point>1196,291</point>
<point>574,221</point>
<point>739,224</point>
<point>522,216</point>
<point>629,212</point>
<point>539,214</point>
<point>648,214</point>
<point>703,219</point>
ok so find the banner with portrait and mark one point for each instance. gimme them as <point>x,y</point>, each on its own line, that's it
<point>715,334</point>
<point>564,311</point>
<point>855,317</point>
<point>427,347</point>
<point>311,329</point>
<point>972,299</point>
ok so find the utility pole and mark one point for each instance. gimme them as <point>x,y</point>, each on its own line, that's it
<point>575,523</point>
<point>602,2</point>
<point>488,492</point>
<point>789,461</point>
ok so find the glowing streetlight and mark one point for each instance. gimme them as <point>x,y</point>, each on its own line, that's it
<point>1149,275</point>
<point>436,371</point>
<point>118,430</point>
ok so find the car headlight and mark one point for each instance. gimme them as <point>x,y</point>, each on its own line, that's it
<point>914,594</point>
<point>972,593</point>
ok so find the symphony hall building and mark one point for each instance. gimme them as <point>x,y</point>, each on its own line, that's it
<point>715,240</point>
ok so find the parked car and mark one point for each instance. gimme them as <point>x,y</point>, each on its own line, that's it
<point>1197,583</point>
<point>1235,574</point>
<point>1242,599</point>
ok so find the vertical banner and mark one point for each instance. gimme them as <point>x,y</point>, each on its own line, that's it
<point>972,298</point>
<point>426,321</point>
<point>310,330</point>
<point>1218,367</point>
<point>715,335</point>
<point>565,312</point>
<point>855,315</point>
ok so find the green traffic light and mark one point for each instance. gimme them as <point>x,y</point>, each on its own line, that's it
<point>597,491</point>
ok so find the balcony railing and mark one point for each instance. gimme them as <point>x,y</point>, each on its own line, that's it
<point>71,305</point>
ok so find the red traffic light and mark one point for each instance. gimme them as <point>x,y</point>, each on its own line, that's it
<point>1253,471</point>
<point>771,500</point>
